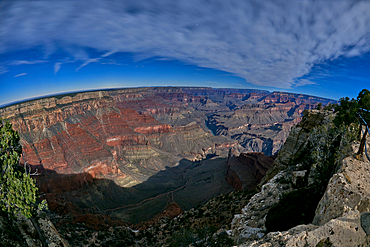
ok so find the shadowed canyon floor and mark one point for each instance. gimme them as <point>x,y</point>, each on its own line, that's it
<point>80,193</point>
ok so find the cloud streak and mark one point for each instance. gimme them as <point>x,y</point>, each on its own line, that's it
<point>22,74</point>
<point>269,43</point>
<point>23,62</point>
<point>3,70</point>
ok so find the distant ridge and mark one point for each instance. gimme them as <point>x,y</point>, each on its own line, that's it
<point>72,93</point>
<point>229,90</point>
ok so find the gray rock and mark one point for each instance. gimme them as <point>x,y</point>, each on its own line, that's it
<point>298,177</point>
<point>349,189</point>
<point>297,141</point>
<point>251,223</point>
<point>343,231</point>
<point>365,222</point>
<point>51,234</point>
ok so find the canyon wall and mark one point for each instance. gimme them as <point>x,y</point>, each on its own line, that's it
<point>89,147</point>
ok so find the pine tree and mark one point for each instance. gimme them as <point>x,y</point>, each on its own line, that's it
<point>355,112</point>
<point>17,188</point>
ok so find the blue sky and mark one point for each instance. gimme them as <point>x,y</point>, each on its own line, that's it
<point>320,48</point>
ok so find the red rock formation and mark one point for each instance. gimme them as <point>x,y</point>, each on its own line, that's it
<point>246,170</point>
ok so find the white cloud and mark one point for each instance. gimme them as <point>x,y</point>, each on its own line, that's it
<point>22,74</point>
<point>269,43</point>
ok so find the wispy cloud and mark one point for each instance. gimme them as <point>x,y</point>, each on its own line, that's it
<point>21,62</point>
<point>110,61</point>
<point>269,43</point>
<point>58,64</point>
<point>304,82</point>
<point>91,60</point>
<point>3,70</point>
<point>163,59</point>
<point>95,60</point>
<point>57,67</point>
<point>22,74</point>
<point>108,54</point>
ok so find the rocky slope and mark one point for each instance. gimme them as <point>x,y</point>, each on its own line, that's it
<point>306,217</point>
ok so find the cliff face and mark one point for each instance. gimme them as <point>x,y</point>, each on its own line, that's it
<point>103,135</point>
<point>246,170</point>
<point>111,133</point>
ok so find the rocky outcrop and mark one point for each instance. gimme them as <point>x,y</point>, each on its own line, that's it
<point>277,182</point>
<point>297,141</point>
<point>250,224</point>
<point>342,215</point>
<point>246,170</point>
<point>342,231</point>
<point>348,190</point>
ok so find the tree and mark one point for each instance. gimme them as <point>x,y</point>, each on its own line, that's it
<point>363,99</point>
<point>17,188</point>
<point>347,113</point>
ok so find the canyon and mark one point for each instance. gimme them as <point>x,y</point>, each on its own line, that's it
<point>123,152</point>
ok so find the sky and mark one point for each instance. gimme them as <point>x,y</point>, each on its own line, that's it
<point>320,48</point>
